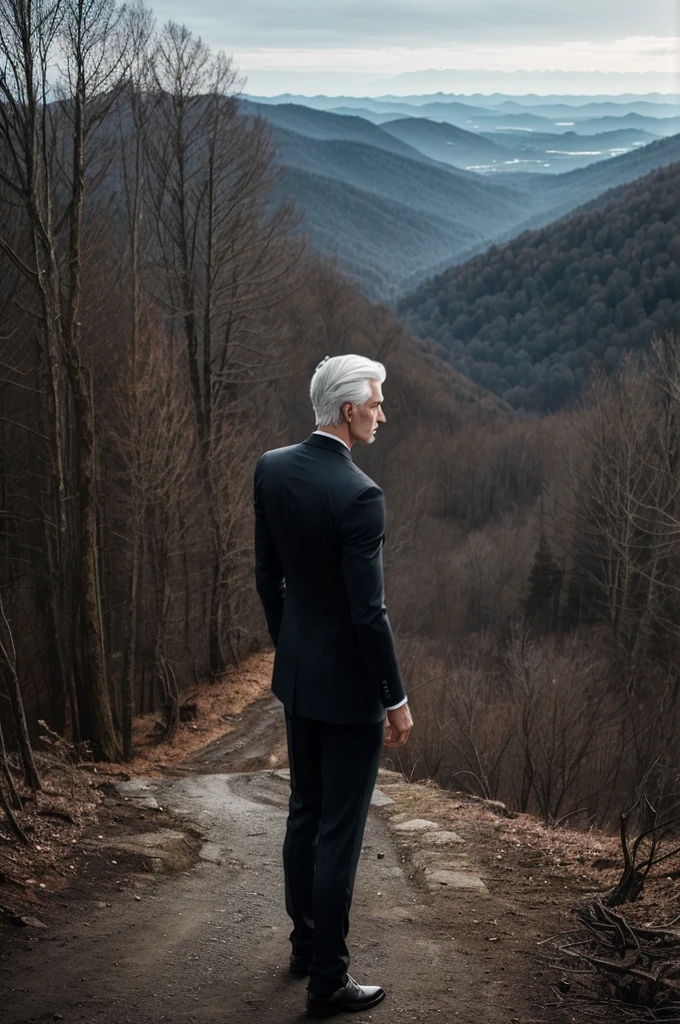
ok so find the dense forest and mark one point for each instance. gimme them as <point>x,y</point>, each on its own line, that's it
<point>159,323</point>
<point>528,320</point>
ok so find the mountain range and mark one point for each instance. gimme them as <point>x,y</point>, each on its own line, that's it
<point>463,110</point>
<point>396,189</point>
<point>394,203</point>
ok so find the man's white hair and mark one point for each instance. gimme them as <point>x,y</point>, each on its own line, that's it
<point>342,379</point>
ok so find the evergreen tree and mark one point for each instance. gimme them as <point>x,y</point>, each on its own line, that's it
<point>541,605</point>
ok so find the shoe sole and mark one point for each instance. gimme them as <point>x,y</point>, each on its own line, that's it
<point>320,1013</point>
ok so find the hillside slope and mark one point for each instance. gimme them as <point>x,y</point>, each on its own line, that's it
<point>528,319</point>
<point>392,221</point>
<point>379,243</point>
<point>577,187</point>
<point>447,143</point>
<point>422,185</point>
<point>325,125</point>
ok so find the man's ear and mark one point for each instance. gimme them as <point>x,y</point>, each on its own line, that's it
<point>347,411</point>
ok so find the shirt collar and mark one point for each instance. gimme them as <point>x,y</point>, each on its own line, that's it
<point>324,433</point>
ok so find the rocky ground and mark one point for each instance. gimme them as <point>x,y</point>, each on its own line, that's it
<point>165,902</point>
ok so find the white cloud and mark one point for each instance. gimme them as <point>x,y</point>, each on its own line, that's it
<point>632,55</point>
<point>363,41</point>
<point>333,24</point>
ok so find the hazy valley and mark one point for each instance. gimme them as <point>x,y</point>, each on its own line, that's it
<point>396,190</point>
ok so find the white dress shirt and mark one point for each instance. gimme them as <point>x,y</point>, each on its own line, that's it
<point>335,437</point>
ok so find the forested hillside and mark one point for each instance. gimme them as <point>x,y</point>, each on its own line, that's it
<point>528,320</point>
<point>450,144</point>
<point>322,124</point>
<point>386,217</point>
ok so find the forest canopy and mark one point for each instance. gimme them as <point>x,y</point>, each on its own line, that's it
<point>528,320</point>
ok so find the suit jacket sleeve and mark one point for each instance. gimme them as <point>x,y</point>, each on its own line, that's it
<point>269,578</point>
<point>362,532</point>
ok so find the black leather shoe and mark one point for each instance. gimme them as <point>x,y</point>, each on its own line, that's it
<point>351,998</point>
<point>299,965</point>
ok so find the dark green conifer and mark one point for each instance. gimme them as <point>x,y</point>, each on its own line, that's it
<point>541,605</point>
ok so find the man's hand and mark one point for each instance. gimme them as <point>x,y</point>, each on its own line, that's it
<point>398,728</point>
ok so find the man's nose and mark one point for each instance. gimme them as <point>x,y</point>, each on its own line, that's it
<point>382,418</point>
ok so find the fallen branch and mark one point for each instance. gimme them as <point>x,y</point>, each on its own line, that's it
<point>14,825</point>
<point>632,880</point>
<point>632,969</point>
<point>56,812</point>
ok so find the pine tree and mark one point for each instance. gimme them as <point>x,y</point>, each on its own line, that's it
<point>541,605</point>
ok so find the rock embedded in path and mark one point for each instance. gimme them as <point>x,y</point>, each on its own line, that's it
<point>416,825</point>
<point>165,850</point>
<point>380,799</point>
<point>29,922</point>
<point>436,879</point>
<point>211,852</point>
<point>440,837</point>
<point>436,858</point>
<point>437,852</point>
<point>138,792</point>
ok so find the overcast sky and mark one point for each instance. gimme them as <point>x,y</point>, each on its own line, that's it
<point>278,42</point>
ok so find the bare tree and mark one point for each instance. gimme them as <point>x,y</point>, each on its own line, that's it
<point>8,670</point>
<point>222,254</point>
<point>45,132</point>
<point>566,726</point>
<point>9,799</point>
<point>135,111</point>
<point>154,434</point>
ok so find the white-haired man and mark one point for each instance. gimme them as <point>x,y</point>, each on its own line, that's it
<point>320,526</point>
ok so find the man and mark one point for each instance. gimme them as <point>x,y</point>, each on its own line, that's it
<point>320,526</point>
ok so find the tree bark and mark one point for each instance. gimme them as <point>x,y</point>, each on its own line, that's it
<point>8,654</point>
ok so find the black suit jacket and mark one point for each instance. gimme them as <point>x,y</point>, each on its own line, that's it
<point>319,531</point>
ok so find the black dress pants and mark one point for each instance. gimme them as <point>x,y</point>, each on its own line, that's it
<point>333,769</point>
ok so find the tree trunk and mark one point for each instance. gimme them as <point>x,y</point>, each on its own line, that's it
<point>104,738</point>
<point>216,662</point>
<point>8,654</point>
<point>14,799</point>
<point>9,814</point>
<point>30,770</point>
<point>130,657</point>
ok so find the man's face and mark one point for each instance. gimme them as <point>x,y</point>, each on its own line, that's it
<point>365,419</point>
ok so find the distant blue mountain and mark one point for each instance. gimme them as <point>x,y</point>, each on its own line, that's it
<point>388,205</point>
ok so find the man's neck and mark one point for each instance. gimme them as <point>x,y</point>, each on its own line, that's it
<point>341,433</point>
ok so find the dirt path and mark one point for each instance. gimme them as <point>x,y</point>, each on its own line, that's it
<point>209,943</point>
